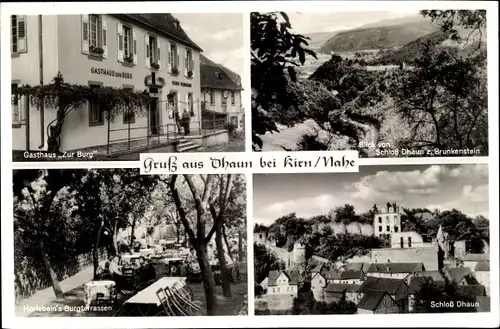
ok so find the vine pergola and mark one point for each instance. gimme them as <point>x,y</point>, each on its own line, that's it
<point>66,97</point>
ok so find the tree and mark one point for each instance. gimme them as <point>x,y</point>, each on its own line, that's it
<point>39,191</point>
<point>65,97</point>
<point>345,214</point>
<point>265,261</point>
<point>430,294</point>
<point>275,50</point>
<point>450,20</point>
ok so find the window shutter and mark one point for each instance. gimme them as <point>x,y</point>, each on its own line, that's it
<point>85,34</point>
<point>146,42</point>
<point>21,34</point>
<point>119,32</point>
<point>104,38</point>
<point>158,57</point>
<point>191,64</point>
<point>134,36</point>
<point>187,103</point>
<point>186,63</point>
<point>169,58</point>
<point>177,63</point>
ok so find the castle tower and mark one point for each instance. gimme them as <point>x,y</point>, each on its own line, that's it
<point>299,253</point>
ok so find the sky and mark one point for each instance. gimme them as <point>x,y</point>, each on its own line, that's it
<point>463,187</point>
<point>308,22</point>
<point>219,35</point>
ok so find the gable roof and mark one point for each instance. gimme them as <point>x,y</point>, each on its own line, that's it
<point>476,257</point>
<point>334,287</point>
<point>482,266</point>
<point>458,273</point>
<point>165,24</point>
<point>395,267</point>
<point>353,288</point>
<point>395,287</point>
<point>293,277</point>
<point>331,275</point>
<point>356,266</point>
<point>371,300</point>
<point>272,277</point>
<point>472,290</point>
<point>346,275</point>
<point>436,276</point>
<point>214,77</point>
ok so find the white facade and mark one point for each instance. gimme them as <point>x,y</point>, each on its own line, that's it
<point>72,45</point>
<point>226,102</point>
<point>283,287</point>
<point>387,222</point>
<point>406,240</point>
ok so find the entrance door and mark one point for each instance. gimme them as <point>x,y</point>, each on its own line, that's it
<point>154,116</point>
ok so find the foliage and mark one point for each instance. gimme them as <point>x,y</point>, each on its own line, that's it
<point>265,261</point>
<point>430,295</point>
<point>65,97</point>
<point>306,304</point>
<point>274,52</point>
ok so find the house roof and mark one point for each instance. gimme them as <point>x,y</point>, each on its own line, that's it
<point>232,75</point>
<point>482,266</point>
<point>353,288</point>
<point>471,290</point>
<point>436,276</point>
<point>214,77</point>
<point>476,257</point>
<point>356,266</point>
<point>416,284</point>
<point>395,267</point>
<point>293,277</point>
<point>331,275</point>
<point>346,275</point>
<point>318,268</point>
<point>371,300</point>
<point>395,287</point>
<point>165,23</point>
<point>458,273</point>
<point>334,287</point>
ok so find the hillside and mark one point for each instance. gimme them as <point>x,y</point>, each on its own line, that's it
<point>378,37</point>
<point>318,38</point>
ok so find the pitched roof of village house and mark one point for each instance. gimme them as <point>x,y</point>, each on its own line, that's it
<point>417,283</point>
<point>293,277</point>
<point>335,287</point>
<point>471,290</point>
<point>235,77</point>
<point>458,273</point>
<point>214,77</point>
<point>436,276</point>
<point>164,23</point>
<point>371,300</point>
<point>395,287</point>
<point>395,267</point>
<point>482,266</point>
<point>356,266</point>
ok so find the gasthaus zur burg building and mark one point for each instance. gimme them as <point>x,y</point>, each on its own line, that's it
<point>150,53</point>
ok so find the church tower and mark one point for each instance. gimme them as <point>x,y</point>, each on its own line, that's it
<point>442,247</point>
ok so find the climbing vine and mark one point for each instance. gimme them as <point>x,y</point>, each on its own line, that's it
<point>65,97</point>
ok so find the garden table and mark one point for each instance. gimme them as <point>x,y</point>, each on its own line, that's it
<point>92,288</point>
<point>146,302</point>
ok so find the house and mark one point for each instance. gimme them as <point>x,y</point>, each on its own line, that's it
<point>354,267</point>
<point>394,270</point>
<point>335,292</point>
<point>283,283</point>
<point>482,275</point>
<point>397,288</point>
<point>352,293</point>
<point>221,94</point>
<point>387,221</point>
<point>377,302</point>
<point>471,260</point>
<point>461,276</point>
<point>150,53</point>
<point>435,276</point>
<point>264,284</point>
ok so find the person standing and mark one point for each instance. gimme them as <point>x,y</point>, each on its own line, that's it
<point>186,118</point>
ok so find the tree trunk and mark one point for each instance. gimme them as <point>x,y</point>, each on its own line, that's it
<point>115,236</point>
<point>132,234</point>
<point>240,245</point>
<point>226,284</point>
<point>208,279</point>
<point>227,242</point>
<point>48,267</point>
<point>95,252</point>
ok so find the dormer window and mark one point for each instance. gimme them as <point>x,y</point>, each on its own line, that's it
<point>177,24</point>
<point>218,75</point>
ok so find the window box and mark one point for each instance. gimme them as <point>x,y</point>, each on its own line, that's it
<point>128,59</point>
<point>96,51</point>
<point>155,66</point>
<point>190,74</point>
<point>175,70</point>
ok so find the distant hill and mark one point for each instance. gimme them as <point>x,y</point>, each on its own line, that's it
<point>379,37</point>
<point>318,38</point>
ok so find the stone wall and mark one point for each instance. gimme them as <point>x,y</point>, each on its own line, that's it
<point>426,255</point>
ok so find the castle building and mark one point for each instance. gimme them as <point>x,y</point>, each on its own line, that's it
<point>387,221</point>
<point>149,53</point>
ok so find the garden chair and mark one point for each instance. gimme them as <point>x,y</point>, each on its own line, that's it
<point>128,281</point>
<point>174,303</point>
<point>110,298</point>
<point>167,310</point>
<point>184,289</point>
<point>191,307</point>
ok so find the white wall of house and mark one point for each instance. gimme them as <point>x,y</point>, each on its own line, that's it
<point>282,287</point>
<point>224,105</point>
<point>390,275</point>
<point>346,281</point>
<point>64,52</point>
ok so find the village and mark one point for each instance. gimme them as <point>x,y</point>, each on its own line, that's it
<point>405,277</point>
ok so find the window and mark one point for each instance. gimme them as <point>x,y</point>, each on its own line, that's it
<point>96,116</point>
<point>380,228</point>
<point>409,242</point>
<point>401,242</point>
<point>16,115</point>
<point>212,97</point>
<point>188,63</point>
<point>152,49</point>
<point>386,218</point>
<point>173,56</point>
<point>232,98</point>
<point>260,236</point>
<point>320,281</point>
<point>396,229</point>
<point>380,219</point>
<point>95,30</point>
<point>190,102</point>
<point>127,41</point>
<point>18,34</point>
